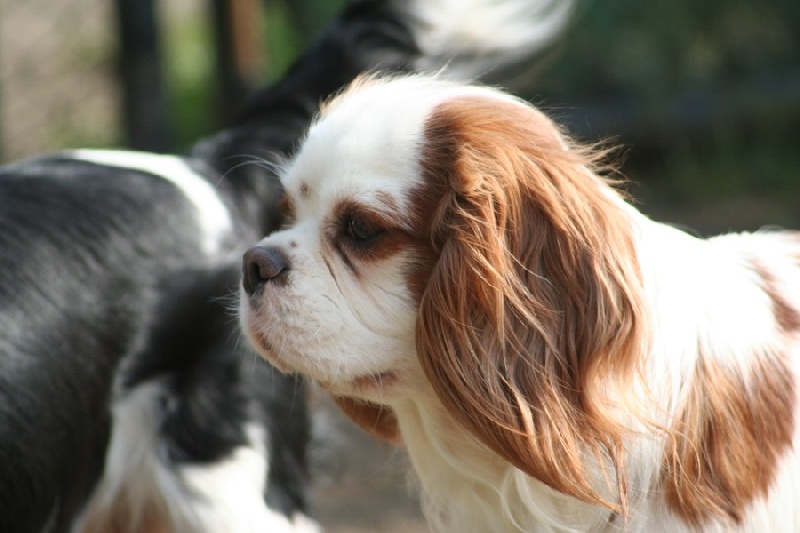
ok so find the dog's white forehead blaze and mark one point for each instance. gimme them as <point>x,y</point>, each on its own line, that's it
<point>368,139</point>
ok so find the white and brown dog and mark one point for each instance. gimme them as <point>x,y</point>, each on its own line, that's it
<point>462,277</point>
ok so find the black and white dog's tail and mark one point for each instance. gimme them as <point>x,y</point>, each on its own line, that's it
<point>470,39</point>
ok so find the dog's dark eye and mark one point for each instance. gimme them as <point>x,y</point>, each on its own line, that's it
<point>361,230</point>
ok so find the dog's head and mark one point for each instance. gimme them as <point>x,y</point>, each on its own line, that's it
<point>449,238</point>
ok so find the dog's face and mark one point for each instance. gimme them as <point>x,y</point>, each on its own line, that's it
<point>445,241</point>
<point>342,312</point>
<point>353,262</point>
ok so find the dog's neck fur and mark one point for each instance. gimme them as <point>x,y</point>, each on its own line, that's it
<point>707,298</point>
<point>468,488</point>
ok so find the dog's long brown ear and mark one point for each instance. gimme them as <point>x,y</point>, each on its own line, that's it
<point>532,310</point>
<point>377,420</point>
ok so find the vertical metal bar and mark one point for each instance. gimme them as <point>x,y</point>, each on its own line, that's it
<point>2,143</point>
<point>143,86</point>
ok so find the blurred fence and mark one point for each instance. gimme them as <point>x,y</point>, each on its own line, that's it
<point>57,85</point>
<point>103,73</point>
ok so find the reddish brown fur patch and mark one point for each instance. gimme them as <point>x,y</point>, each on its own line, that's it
<point>529,292</point>
<point>391,240</point>
<point>787,317</point>
<point>731,433</point>
<point>286,208</point>
<point>376,420</point>
<point>388,201</point>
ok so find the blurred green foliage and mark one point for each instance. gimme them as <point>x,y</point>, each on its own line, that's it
<point>190,65</point>
<point>704,95</point>
<point>290,25</point>
<point>650,49</point>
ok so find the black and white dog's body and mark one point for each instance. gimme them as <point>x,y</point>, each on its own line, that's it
<point>103,374</point>
<point>128,402</point>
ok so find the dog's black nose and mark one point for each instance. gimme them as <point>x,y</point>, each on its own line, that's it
<point>261,265</point>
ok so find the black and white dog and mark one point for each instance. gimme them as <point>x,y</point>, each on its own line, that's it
<point>128,402</point>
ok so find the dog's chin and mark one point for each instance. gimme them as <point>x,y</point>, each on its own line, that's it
<point>371,385</point>
<point>366,385</point>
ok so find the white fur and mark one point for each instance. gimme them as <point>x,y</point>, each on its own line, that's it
<point>224,496</point>
<point>486,34</point>
<point>213,217</point>
<point>338,327</point>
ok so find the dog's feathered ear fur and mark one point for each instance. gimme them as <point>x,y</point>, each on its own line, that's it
<point>533,310</point>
